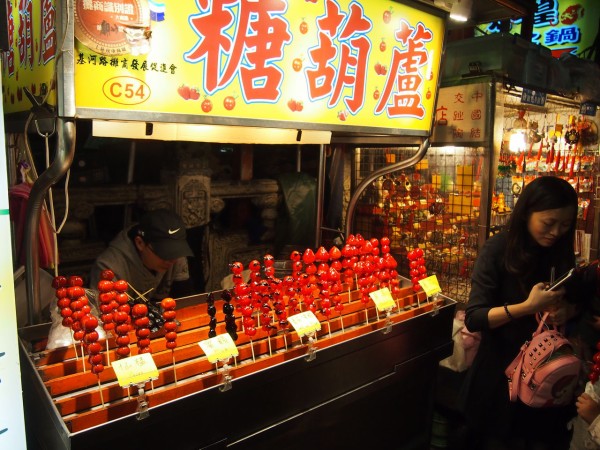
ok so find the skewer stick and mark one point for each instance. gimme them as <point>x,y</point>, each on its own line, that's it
<point>269,341</point>
<point>377,312</point>
<point>128,393</point>
<point>252,348</point>
<point>174,368</point>
<point>367,314</point>
<point>74,346</point>
<point>107,353</point>
<point>100,390</point>
<point>342,322</point>
<point>329,327</point>
<point>140,295</point>
<point>285,340</point>
<point>152,384</point>
<point>82,358</point>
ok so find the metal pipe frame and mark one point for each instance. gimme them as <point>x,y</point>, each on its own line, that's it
<point>379,173</point>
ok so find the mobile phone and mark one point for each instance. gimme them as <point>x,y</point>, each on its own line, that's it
<point>561,280</point>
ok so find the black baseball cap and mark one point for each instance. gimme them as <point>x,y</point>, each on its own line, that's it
<point>165,231</point>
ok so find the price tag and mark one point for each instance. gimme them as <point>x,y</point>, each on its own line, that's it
<point>533,97</point>
<point>588,109</point>
<point>383,299</point>
<point>135,369</point>
<point>219,348</point>
<point>430,285</point>
<point>305,323</point>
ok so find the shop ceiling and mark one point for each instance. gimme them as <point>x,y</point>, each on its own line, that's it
<point>483,11</point>
<point>490,10</point>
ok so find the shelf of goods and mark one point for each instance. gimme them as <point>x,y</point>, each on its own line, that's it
<point>376,374</point>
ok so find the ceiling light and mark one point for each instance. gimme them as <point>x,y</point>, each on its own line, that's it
<point>461,10</point>
<point>207,133</point>
<point>517,142</point>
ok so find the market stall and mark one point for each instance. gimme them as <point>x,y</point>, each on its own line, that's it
<point>247,73</point>
<point>375,375</point>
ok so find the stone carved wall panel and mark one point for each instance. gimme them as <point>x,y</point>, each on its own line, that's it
<point>227,248</point>
<point>193,200</point>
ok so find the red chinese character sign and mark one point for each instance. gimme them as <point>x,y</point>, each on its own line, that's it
<point>321,63</point>
<point>461,114</point>
<point>29,62</point>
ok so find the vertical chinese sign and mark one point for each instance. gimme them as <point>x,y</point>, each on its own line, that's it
<point>12,425</point>
<point>321,63</point>
<point>462,114</point>
<point>30,61</point>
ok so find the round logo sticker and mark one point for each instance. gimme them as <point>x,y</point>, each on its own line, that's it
<point>112,27</point>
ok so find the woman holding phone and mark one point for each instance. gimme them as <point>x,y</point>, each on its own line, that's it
<point>509,288</point>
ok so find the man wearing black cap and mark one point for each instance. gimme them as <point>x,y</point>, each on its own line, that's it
<point>150,255</point>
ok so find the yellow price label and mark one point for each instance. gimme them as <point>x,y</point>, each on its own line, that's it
<point>383,299</point>
<point>135,369</point>
<point>305,323</point>
<point>219,348</point>
<point>430,285</point>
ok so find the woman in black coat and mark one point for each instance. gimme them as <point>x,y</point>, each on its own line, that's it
<point>508,290</point>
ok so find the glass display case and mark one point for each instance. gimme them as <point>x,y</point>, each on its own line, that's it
<point>490,139</point>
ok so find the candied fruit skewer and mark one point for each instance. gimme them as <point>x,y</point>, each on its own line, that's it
<point>170,326</point>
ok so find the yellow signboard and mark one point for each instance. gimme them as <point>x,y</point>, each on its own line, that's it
<point>135,369</point>
<point>30,62</point>
<point>383,299</point>
<point>322,63</point>
<point>219,348</point>
<point>305,323</point>
<point>430,285</point>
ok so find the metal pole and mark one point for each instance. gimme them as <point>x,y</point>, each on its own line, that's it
<point>320,195</point>
<point>64,157</point>
<point>379,173</point>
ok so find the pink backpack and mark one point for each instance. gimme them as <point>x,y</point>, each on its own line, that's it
<point>546,370</point>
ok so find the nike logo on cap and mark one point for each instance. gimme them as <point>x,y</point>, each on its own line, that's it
<point>174,231</point>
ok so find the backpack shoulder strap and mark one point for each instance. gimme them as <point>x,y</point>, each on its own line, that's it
<point>513,372</point>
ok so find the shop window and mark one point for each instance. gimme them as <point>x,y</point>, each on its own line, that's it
<point>433,205</point>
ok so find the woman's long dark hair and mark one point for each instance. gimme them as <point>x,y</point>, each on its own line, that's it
<point>541,194</point>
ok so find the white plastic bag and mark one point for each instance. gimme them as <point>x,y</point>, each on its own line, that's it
<point>59,335</point>
<point>466,344</point>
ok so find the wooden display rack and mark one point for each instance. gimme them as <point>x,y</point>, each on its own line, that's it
<point>83,404</point>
